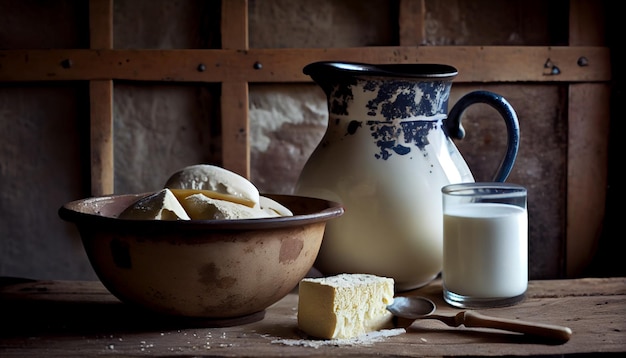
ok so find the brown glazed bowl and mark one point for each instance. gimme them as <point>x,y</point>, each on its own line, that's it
<point>219,270</point>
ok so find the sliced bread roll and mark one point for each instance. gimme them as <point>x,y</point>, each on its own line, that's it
<point>214,182</point>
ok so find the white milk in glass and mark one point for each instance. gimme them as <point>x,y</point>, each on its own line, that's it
<point>485,250</point>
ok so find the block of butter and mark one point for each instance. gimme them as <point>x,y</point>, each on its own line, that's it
<point>201,207</point>
<point>345,305</point>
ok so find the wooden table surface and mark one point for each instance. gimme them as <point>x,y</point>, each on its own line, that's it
<point>79,318</point>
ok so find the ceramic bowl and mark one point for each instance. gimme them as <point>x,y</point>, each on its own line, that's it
<point>205,269</point>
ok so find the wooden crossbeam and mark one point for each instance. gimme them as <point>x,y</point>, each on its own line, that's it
<point>475,63</point>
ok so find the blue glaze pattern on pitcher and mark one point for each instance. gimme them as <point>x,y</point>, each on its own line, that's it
<point>397,100</point>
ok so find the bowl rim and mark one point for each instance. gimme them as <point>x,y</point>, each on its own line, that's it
<point>67,213</point>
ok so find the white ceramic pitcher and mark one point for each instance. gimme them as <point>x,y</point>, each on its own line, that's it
<point>386,154</point>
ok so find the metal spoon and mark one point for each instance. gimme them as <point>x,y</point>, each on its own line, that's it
<point>411,308</point>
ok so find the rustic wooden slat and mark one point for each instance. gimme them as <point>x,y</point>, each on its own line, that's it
<point>235,128</point>
<point>101,102</point>
<point>101,24</point>
<point>586,23</point>
<point>587,165</point>
<point>475,63</point>
<point>411,22</point>
<point>101,113</point>
<point>234,25</point>
<point>234,100</point>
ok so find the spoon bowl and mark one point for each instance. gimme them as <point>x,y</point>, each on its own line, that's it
<point>410,308</point>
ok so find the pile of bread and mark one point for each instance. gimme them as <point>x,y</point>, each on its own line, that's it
<point>205,192</point>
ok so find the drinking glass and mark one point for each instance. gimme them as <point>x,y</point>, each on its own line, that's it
<point>485,244</point>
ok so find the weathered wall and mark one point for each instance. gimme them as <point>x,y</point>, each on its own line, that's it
<point>160,128</point>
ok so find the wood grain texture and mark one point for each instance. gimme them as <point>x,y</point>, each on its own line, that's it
<point>589,119</point>
<point>234,100</point>
<point>101,142</point>
<point>411,22</point>
<point>235,128</point>
<point>101,102</point>
<point>234,25</point>
<point>80,318</point>
<point>475,63</point>
<point>586,23</point>
<point>101,24</point>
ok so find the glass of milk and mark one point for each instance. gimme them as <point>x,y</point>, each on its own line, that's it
<point>485,244</point>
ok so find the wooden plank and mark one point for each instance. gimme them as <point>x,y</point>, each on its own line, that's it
<point>587,171</point>
<point>234,100</point>
<point>586,23</point>
<point>588,122</point>
<point>101,24</point>
<point>101,114</point>
<point>79,318</point>
<point>235,128</point>
<point>475,63</point>
<point>101,102</point>
<point>411,22</point>
<point>234,24</point>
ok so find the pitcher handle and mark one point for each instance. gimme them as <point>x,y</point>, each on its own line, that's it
<point>456,130</point>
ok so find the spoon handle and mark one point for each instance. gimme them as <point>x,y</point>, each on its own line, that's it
<point>554,332</point>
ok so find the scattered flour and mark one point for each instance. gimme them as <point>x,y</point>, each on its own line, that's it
<point>364,339</point>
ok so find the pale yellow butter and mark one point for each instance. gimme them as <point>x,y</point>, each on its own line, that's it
<point>201,207</point>
<point>344,306</point>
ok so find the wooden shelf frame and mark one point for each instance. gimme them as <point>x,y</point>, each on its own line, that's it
<point>475,63</point>
<point>584,66</point>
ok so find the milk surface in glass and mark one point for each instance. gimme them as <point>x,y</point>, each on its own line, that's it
<point>485,250</point>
